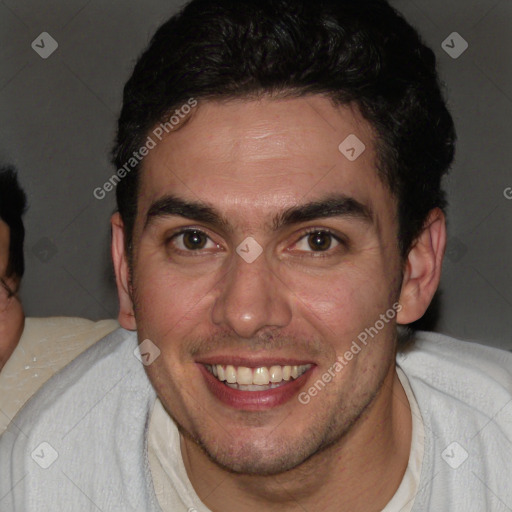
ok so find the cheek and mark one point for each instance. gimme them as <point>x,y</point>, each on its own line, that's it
<point>343,304</point>
<point>168,303</point>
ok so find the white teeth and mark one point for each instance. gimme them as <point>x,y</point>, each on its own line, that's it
<point>256,379</point>
<point>261,376</point>
<point>244,375</point>
<point>230,374</point>
<point>276,374</point>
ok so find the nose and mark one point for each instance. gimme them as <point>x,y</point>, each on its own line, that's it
<point>252,298</point>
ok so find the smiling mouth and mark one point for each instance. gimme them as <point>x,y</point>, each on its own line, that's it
<point>256,379</point>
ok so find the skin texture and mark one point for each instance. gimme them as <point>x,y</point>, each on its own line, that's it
<point>251,160</point>
<point>12,318</point>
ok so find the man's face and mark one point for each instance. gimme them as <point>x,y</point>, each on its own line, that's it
<point>11,311</point>
<point>209,298</point>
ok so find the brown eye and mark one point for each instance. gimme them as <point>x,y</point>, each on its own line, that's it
<point>320,241</point>
<point>194,240</point>
<point>191,242</point>
<point>316,242</point>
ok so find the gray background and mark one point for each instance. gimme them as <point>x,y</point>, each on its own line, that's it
<point>58,121</point>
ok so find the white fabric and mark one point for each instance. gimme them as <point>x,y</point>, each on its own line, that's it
<point>403,500</point>
<point>45,347</point>
<point>96,412</point>
<point>172,485</point>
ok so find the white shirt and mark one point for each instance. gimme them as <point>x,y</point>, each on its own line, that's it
<point>81,442</point>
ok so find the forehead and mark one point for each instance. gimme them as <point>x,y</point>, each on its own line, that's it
<point>257,157</point>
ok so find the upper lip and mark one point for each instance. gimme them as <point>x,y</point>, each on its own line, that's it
<point>252,362</point>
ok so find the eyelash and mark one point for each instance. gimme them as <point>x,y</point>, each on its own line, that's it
<point>309,231</point>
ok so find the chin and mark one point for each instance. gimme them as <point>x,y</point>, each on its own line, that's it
<point>267,454</point>
<point>256,462</point>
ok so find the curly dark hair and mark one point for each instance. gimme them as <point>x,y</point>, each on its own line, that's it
<point>352,51</point>
<point>13,203</point>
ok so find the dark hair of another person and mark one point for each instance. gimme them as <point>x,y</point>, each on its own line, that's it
<point>353,51</point>
<point>13,202</point>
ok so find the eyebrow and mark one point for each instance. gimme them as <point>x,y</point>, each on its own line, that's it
<point>335,205</point>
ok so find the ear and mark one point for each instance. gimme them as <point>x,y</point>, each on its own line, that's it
<point>126,312</point>
<point>423,269</point>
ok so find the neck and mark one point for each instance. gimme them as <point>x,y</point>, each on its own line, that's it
<point>347,476</point>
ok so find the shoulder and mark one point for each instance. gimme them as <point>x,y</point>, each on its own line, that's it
<point>101,397</point>
<point>463,389</point>
<point>46,346</point>
<point>464,394</point>
<point>471,377</point>
<point>107,367</point>
<point>463,369</point>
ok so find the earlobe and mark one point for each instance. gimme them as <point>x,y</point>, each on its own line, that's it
<point>119,257</point>
<point>423,269</point>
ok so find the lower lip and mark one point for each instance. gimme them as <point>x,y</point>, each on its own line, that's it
<point>254,400</point>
